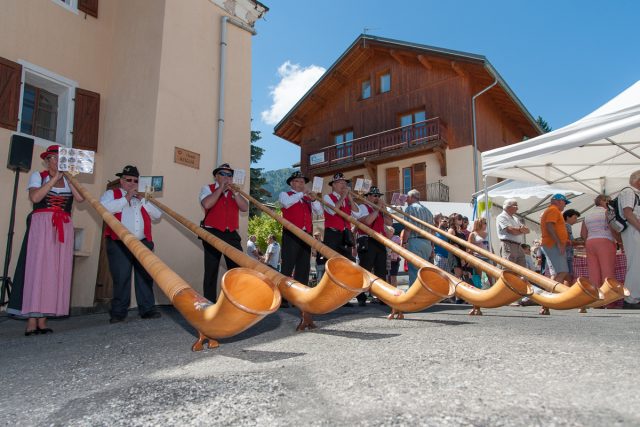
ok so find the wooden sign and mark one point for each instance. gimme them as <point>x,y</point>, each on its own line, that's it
<point>186,158</point>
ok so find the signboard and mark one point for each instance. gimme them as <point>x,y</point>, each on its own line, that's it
<point>186,158</point>
<point>75,161</point>
<point>316,158</point>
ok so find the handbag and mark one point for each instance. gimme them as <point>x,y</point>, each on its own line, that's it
<point>347,238</point>
<point>363,243</point>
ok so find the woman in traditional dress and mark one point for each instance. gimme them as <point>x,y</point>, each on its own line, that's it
<point>42,281</point>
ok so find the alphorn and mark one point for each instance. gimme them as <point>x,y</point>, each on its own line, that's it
<point>580,294</point>
<point>431,286</point>
<point>509,287</point>
<point>342,281</point>
<point>247,296</point>
<point>612,290</point>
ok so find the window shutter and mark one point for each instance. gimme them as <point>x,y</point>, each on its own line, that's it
<point>393,180</point>
<point>86,119</point>
<point>420,178</point>
<point>10,79</point>
<point>90,7</point>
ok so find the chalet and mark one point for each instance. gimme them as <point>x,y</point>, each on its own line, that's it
<point>139,82</point>
<point>402,115</point>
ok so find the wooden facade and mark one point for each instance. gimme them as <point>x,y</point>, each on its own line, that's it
<point>385,100</point>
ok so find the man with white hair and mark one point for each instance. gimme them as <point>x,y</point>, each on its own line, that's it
<point>629,204</point>
<point>511,233</point>
<point>415,242</point>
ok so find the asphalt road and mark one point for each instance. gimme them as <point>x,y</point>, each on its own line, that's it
<point>439,367</point>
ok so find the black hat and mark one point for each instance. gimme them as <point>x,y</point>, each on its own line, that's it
<point>374,191</point>
<point>339,176</point>
<point>129,171</point>
<point>297,174</point>
<point>224,166</point>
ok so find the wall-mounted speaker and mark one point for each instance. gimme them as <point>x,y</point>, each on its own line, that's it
<point>20,153</point>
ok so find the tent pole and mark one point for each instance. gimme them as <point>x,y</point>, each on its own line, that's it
<point>487,212</point>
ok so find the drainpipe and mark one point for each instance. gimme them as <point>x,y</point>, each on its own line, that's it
<point>475,138</point>
<point>223,69</point>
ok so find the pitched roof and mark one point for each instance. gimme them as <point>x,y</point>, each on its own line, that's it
<point>357,53</point>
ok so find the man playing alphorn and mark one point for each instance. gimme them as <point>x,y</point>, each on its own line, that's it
<point>222,205</point>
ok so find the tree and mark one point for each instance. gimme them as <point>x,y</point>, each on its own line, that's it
<point>543,125</point>
<point>257,181</point>
<point>262,225</point>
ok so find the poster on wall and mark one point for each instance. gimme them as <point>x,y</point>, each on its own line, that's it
<point>74,161</point>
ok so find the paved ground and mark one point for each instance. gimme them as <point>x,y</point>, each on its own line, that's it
<point>440,367</point>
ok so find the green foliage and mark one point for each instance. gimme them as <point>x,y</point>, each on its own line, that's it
<point>276,182</point>
<point>543,125</point>
<point>256,180</point>
<point>262,225</point>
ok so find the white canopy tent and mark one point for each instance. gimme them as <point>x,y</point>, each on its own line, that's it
<point>594,155</point>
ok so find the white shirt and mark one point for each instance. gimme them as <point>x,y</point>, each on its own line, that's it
<point>287,201</point>
<point>206,191</point>
<point>273,254</point>
<point>252,251</point>
<point>131,215</point>
<point>36,181</point>
<point>627,199</point>
<point>505,220</point>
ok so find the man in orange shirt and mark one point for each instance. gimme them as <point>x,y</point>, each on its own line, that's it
<point>555,237</point>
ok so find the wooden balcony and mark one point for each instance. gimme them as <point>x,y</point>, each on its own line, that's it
<point>392,144</point>
<point>434,192</point>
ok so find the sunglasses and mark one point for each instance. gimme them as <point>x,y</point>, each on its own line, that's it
<point>227,174</point>
<point>131,179</point>
<point>377,196</point>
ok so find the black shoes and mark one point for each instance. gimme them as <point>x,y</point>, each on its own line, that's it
<point>45,331</point>
<point>38,331</point>
<point>362,303</point>
<point>631,306</point>
<point>116,319</point>
<point>31,332</point>
<point>151,315</point>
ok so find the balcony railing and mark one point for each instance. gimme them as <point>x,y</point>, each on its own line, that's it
<point>434,192</point>
<point>370,146</point>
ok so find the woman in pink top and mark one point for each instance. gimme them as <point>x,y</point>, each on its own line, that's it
<point>600,243</point>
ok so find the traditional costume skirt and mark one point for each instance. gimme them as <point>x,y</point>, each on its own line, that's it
<point>42,282</point>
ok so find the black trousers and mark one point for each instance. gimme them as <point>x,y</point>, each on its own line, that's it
<point>212,261</point>
<point>374,259</point>
<point>333,239</point>
<point>121,261</point>
<point>296,257</point>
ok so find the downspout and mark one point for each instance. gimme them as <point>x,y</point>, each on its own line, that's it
<point>475,137</point>
<point>223,69</point>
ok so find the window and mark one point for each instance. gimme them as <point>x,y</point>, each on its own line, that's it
<point>418,130</point>
<point>39,113</point>
<point>406,179</point>
<point>90,7</point>
<point>46,107</point>
<point>365,91</point>
<point>385,82</point>
<point>343,147</point>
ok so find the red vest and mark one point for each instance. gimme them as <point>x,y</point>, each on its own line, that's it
<point>299,213</point>
<point>223,215</point>
<point>335,221</point>
<point>146,220</point>
<point>377,225</point>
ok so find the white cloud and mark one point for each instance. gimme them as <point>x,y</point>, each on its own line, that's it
<point>295,81</point>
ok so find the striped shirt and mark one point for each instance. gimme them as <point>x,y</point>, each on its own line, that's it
<point>422,213</point>
<point>597,225</point>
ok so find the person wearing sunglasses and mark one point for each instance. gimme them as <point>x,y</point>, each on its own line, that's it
<point>371,253</point>
<point>136,214</point>
<point>222,205</point>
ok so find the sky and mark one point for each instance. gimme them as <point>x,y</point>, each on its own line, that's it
<point>562,58</point>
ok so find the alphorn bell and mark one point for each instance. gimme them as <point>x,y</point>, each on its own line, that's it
<point>431,286</point>
<point>342,281</point>
<point>247,296</point>
<point>612,290</point>
<point>508,288</point>
<point>580,294</point>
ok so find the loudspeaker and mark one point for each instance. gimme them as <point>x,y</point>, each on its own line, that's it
<point>20,153</point>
